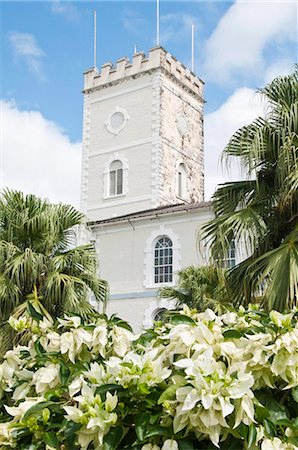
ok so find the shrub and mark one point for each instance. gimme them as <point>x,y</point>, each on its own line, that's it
<point>199,381</point>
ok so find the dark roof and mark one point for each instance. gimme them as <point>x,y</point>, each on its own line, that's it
<point>161,210</point>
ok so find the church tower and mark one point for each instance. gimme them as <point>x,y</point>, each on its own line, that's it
<point>142,136</point>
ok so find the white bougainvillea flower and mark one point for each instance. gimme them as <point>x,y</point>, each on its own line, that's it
<point>111,402</point>
<point>276,444</point>
<point>73,413</point>
<point>6,435</point>
<point>76,385</point>
<point>19,411</point>
<point>20,324</point>
<point>95,415</point>
<point>170,444</point>
<point>100,339</point>
<point>21,391</point>
<point>46,324</point>
<point>69,322</point>
<point>122,340</point>
<point>281,320</point>
<point>46,378</point>
<point>68,345</point>
<point>51,342</point>
<point>96,375</point>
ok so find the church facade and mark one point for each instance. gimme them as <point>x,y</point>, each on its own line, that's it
<point>143,177</point>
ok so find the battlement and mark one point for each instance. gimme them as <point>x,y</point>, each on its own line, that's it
<point>157,58</point>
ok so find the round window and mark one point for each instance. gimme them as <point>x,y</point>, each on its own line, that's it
<point>182,124</point>
<point>117,120</point>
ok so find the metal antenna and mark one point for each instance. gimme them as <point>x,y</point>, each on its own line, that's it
<point>94,39</point>
<point>157,23</point>
<point>193,47</point>
<point>135,49</point>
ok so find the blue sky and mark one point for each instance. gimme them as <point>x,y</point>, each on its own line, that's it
<point>46,46</point>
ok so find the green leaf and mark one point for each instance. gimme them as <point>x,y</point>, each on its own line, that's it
<point>177,319</point>
<point>40,351</point>
<point>295,393</point>
<point>294,424</point>
<point>112,440</point>
<point>64,372</point>
<point>168,394</point>
<point>107,388</point>
<point>252,435</point>
<point>158,430</point>
<point>261,412</point>
<point>39,407</point>
<point>33,313</point>
<point>142,421</point>
<point>69,433</point>
<point>269,428</point>
<point>230,334</point>
<point>243,430</point>
<point>277,411</point>
<point>185,445</point>
<point>146,338</point>
<point>50,438</point>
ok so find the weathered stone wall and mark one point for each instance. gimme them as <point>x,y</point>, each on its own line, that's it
<point>182,141</point>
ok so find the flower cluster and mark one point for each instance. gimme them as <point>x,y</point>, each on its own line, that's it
<point>198,380</point>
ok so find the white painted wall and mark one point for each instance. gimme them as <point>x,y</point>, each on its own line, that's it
<point>122,250</point>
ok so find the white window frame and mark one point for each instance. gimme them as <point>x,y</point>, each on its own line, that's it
<point>108,124</point>
<point>154,307</point>
<point>149,275</point>
<point>116,173</point>
<point>163,264</point>
<point>230,260</point>
<point>106,176</point>
<point>181,180</point>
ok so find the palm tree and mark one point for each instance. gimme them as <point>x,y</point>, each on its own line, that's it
<point>201,288</point>
<point>37,254</point>
<point>263,209</point>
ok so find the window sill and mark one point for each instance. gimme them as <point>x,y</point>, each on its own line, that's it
<point>107,197</point>
<point>159,285</point>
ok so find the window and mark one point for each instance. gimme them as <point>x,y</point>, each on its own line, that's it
<point>159,314</point>
<point>116,178</point>
<point>163,260</point>
<point>230,260</point>
<point>181,181</point>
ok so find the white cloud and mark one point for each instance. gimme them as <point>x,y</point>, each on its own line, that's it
<point>65,8</point>
<point>134,22</point>
<point>175,27</point>
<point>25,48</point>
<point>278,69</point>
<point>238,44</point>
<point>241,108</point>
<point>37,157</point>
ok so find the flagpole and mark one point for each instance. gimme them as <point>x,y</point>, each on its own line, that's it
<point>94,39</point>
<point>193,48</point>
<point>157,23</point>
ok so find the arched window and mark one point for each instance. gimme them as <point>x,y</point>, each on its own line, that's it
<point>116,178</point>
<point>159,314</point>
<point>163,260</point>
<point>181,181</point>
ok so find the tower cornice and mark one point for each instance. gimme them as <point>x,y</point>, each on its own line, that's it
<point>158,59</point>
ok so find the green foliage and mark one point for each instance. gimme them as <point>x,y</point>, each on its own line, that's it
<point>198,381</point>
<point>201,288</point>
<point>263,209</point>
<point>38,259</point>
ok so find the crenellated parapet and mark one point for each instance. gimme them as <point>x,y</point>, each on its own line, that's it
<point>158,58</point>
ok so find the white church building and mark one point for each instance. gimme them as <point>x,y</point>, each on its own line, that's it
<point>143,177</point>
